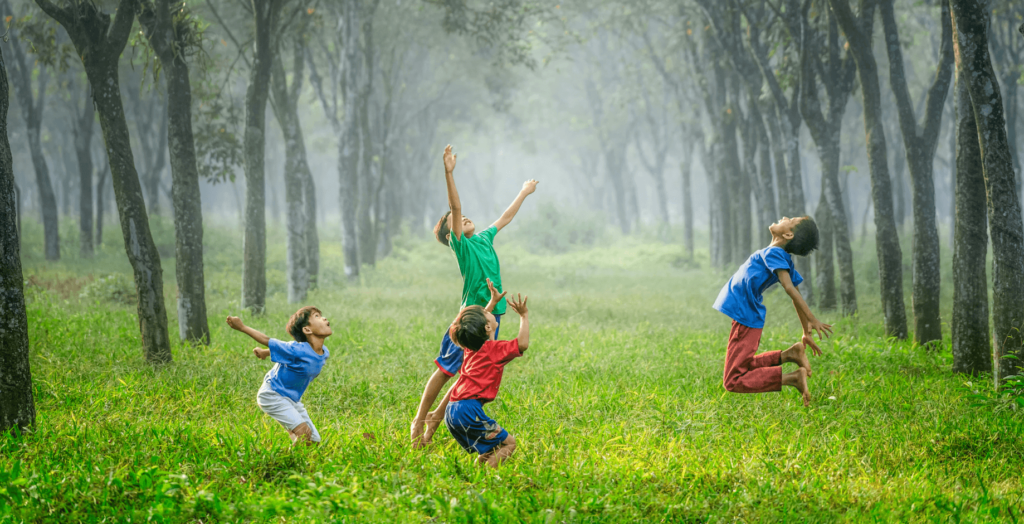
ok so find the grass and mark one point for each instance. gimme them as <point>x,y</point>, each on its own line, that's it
<point>618,406</point>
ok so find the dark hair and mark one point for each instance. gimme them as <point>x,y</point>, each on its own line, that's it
<point>805,237</point>
<point>300,320</point>
<point>442,229</point>
<point>469,331</point>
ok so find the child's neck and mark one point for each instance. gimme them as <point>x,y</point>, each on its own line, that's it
<point>317,343</point>
<point>778,242</point>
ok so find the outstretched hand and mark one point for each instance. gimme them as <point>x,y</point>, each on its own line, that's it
<point>495,296</point>
<point>449,159</point>
<point>518,304</point>
<point>823,330</point>
<point>529,186</point>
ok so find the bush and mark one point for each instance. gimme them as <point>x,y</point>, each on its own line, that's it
<point>117,288</point>
<point>552,229</point>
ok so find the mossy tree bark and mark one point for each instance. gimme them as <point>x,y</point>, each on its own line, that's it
<point>99,40</point>
<point>169,38</point>
<point>890,265</point>
<point>17,407</point>
<point>970,47</point>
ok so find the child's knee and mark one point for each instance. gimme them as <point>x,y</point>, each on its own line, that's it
<point>510,443</point>
<point>731,383</point>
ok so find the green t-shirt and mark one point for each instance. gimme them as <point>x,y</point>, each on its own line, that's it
<point>477,263</point>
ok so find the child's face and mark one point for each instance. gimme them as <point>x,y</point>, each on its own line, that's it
<point>783,229</point>
<point>318,326</point>
<point>468,228</point>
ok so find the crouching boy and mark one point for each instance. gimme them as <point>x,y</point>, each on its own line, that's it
<point>296,364</point>
<point>482,367</point>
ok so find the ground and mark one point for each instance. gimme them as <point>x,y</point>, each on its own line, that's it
<point>618,405</point>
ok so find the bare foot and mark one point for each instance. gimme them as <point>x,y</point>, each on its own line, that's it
<point>801,386</point>
<point>797,354</point>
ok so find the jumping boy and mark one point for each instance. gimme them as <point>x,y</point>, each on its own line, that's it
<point>296,364</point>
<point>740,299</point>
<point>476,330</point>
<point>477,262</point>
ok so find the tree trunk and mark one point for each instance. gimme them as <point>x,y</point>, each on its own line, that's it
<point>83,150</point>
<point>972,349</point>
<point>312,235</point>
<point>254,244</point>
<point>825,272</point>
<point>17,407</point>
<point>685,169</point>
<point>101,184</point>
<point>766,188</point>
<point>970,42</point>
<point>32,114</point>
<point>899,195</point>
<point>919,143</point>
<point>348,142</point>
<point>890,263</point>
<point>185,194</point>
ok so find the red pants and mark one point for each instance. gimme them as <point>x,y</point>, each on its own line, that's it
<point>746,372</point>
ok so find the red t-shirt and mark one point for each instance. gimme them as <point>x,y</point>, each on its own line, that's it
<point>481,370</point>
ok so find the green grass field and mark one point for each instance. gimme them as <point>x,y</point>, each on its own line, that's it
<point>618,405</point>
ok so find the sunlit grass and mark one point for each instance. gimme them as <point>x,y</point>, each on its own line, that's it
<point>618,405</point>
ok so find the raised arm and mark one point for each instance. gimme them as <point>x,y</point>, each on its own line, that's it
<point>519,306</point>
<point>808,321</point>
<point>495,296</point>
<point>237,324</point>
<point>453,194</point>
<point>528,187</point>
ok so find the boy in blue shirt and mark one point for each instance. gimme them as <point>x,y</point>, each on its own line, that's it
<point>741,298</point>
<point>296,364</point>
<point>479,266</point>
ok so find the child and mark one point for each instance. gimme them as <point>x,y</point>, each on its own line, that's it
<point>476,329</point>
<point>740,299</point>
<point>296,364</point>
<point>477,262</point>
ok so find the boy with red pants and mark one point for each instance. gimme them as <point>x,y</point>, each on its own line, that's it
<point>741,298</point>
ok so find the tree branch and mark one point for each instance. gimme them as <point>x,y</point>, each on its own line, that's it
<point>121,28</point>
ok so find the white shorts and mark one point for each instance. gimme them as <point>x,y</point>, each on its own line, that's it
<point>282,409</point>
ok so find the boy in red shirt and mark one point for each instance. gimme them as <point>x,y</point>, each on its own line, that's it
<point>483,364</point>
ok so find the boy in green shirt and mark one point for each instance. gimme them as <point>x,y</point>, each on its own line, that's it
<point>479,266</point>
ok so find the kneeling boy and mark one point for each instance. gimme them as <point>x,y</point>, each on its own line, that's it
<point>482,367</point>
<point>296,364</point>
<point>741,298</point>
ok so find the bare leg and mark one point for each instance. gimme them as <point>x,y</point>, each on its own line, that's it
<point>430,391</point>
<point>301,433</point>
<point>797,355</point>
<point>499,454</point>
<point>798,380</point>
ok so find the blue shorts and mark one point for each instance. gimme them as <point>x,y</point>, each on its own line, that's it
<point>472,428</point>
<point>450,358</point>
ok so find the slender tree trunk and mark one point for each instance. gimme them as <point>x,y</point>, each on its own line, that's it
<point>890,263</point>
<point>685,169</point>
<point>368,168</point>
<point>101,184</point>
<point>312,235</point>
<point>970,41</point>
<point>83,150</point>
<point>614,162</point>
<point>766,188</point>
<point>152,178</point>
<point>17,407</point>
<point>919,143</point>
<point>899,194</point>
<point>185,195</point>
<point>824,265</point>
<point>254,245</point>
<point>972,349</point>
<point>840,229</point>
<point>348,142</point>
<point>32,114</point>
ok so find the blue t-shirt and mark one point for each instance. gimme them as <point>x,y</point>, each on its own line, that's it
<point>740,299</point>
<point>296,365</point>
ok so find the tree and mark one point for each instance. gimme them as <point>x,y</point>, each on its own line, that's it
<point>171,38</point>
<point>17,407</point>
<point>254,245</point>
<point>84,123</point>
<point>890,264</point>
<point>32,113</point>
<point>972,349</point>
<point>970,44</point>
<point>99,40</point>
<point>919,142</point>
